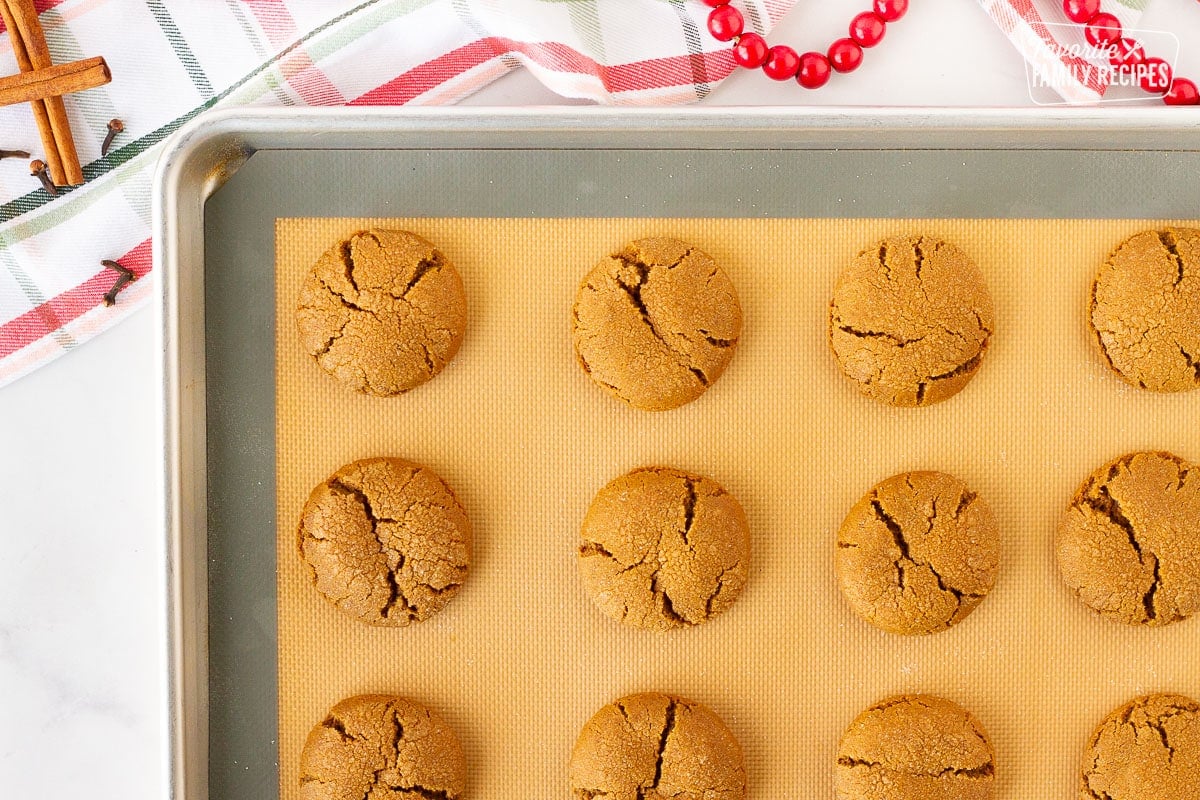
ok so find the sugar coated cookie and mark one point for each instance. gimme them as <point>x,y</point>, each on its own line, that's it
<point>1145,309</point>
<point>656,323</point>
<point>1129,544</point>
<point>664,549</point>
<point>1148,749</point>
<point>385,541</point>
<point>917,553</point>
<point>381,746</point>
<point>657,746</point>
<point>910,320</point>
<point>915,747</point>
<point>382,312</point>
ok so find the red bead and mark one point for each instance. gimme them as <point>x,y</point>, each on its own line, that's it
<point>1126,53</point>
<point>1183,93</point>
<point>1103,29</point>
<point>1081,11</point>
<point>892,10</point>
<point>782,62</point>
<point>844,55</point>
<point>750,51</point>
<point>715,3</point>
<point>1154,76</point>
<point>725,23</point>
<point>814,71</point>
<point>867,29</point>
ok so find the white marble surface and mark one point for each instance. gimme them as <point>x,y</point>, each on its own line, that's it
<point>82,671</point>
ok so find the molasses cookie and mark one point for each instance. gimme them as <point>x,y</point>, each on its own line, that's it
<point>657,746</point>
<point>382,311</point>
<point>917,553</point>
<point>1145,309</point>
<point>1129,545</point>
<point>910,320</point>
<point>385,541</point>
<point>656,323</point>
<point>1148,749</point>
<point>664,549</point>
<point>915,747</point>
<point>381,746</point>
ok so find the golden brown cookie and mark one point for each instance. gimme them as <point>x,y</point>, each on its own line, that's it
<point>1148,749</point>
<point>1129,545</point>
<point>381,747</point>
<point>382,311</point>
<point>385,541</point>
<point>654,747</point>
<point>915,747</point>
<point>917,553</point>
<point>656,323</point>
<point>664,549</point>
<point>1145,309</point>
<point>910,320</point>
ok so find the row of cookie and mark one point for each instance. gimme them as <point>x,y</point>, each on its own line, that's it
<point>659,745</point>
<point>388,543</point>
<point>656,323</point>
<point>911,318</point>
<point>920,551</point>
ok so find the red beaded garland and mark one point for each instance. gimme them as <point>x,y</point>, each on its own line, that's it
<point>782,62</point>
<point>750,51</point>
<point>1103,29</point>
<point>1081,11</point>
<point>1126,53</point>
<point>1182,93</point>
<point>814,71</point>
<point>891,10</point>
<point>845,55</point>
<point>725,23</point>
<point>867,29</point>
<point>1156,76</point>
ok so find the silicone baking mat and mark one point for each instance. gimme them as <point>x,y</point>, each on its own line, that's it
<point>520,658</point>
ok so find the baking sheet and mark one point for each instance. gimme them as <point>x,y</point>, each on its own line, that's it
<point>520,659</point>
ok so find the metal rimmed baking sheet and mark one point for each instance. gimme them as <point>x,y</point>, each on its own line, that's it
<point>768,163</point>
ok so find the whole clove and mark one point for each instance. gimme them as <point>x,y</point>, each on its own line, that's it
<point>37,168</point>
<point>115,126</point>
<point>125,275</point>
<point>14,154</point>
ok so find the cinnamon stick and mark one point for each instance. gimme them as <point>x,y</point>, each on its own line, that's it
<point>40,113</point>
<point>26,18</point>
<point>56,81</point>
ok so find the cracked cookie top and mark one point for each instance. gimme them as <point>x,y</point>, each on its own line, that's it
<point>910,320</point>
<point>385,541</point>
<point>915,747</point>
<point>1129,545</point>
<point>381,746</point>
<point>917,553</point>
<point>656,323</point>
<point>1145,309</point>
<point>382,311</point>
<point>1148,749</point>
<point>654,747</point>
<point>664,549</point>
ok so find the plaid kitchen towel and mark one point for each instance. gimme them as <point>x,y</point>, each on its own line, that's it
<point>173,60</point>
